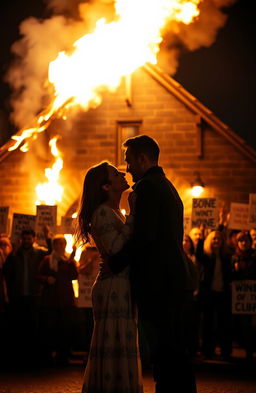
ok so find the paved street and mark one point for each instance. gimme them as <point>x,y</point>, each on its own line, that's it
<point>212,377</point>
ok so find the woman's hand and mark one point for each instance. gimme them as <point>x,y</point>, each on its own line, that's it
<point>132,202</point>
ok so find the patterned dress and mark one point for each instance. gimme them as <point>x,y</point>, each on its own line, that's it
<point>114,363</point>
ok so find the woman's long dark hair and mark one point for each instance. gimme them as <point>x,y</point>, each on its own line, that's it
<point>93,195</point>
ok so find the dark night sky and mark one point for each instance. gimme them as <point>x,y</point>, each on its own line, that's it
<point>222,77</point>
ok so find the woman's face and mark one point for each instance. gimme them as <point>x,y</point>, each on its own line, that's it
<point>244,243</point>
<point>117,179</point>
<point>216,241</point>
<point>186,245</point>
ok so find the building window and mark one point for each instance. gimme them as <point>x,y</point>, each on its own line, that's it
<point>125,130</point>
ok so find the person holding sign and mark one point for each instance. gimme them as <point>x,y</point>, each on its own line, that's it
<point>244,268</point>
<point>114,362</point>
<point>56,272</point>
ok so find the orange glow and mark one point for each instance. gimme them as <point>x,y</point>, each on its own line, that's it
<point>99,60</point>
<point>51,192</point>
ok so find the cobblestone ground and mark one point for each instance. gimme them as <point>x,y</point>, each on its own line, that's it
<point>211,378</point>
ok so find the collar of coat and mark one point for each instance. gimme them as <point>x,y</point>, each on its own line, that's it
<point>151,171</point>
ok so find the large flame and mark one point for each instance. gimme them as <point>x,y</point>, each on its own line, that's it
<point>51,192</point>
<point>100,59</point>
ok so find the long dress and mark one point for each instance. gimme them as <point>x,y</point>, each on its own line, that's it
<point>114,363</point>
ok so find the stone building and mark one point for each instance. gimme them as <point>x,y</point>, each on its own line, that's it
<point>192,139</point>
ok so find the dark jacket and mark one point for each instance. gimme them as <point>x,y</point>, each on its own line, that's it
<point>60,293</point>
<point>158,269</point>
<point>244,265</point>
<point>14,271</point>
<point>207,267</point>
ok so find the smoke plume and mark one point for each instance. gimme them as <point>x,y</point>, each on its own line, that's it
<point>42,40</point>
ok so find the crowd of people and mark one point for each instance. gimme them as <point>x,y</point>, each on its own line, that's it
<point>220,257</point>
<point>36,300</point>
<point>179,288</point>
<point>38,308</point>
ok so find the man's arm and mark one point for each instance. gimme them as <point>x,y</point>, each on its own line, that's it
<point>145,224</point>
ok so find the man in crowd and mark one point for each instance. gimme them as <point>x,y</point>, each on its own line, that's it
<point>23,290</point>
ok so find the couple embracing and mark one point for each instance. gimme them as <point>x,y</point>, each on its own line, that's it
<point>143,273</point>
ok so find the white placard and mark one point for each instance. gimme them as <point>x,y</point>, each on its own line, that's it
<point>4,212</point>
<point>244,297</point>
<point>205,212</point>
<point>21,222</point>
<point>88,270</point>
<point>45,215</point>
<point>252,209</point>
<point>239,214</point>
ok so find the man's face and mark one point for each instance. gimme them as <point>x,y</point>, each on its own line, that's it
<point>195,235</point>
<point>216,241</point>
<point>133,165</point>
<point>59,245</point>
<point>27,241</point>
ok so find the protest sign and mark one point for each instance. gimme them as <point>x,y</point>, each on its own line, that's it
<point>204,212</point>
<point>244,297</point>
<point>45,215</point>
<point>21,222</point>
<point>67,225</point>
<point>239,214</point>
<point>252,209</point>
<point>4,212</point>
<point>88,270</point>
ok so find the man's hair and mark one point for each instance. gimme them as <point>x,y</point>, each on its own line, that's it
<point>57,238</point>
<point>28,231</point>
<point>143,144</point>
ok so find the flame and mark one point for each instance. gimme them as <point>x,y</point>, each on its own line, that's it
<point>69,247</point>
<point>113,50</point>
<point>50,193</point>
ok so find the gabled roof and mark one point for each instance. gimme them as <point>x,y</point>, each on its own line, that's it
<point>191,102</point>
<point>198,108</point>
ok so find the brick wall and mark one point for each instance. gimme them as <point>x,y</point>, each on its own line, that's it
<point>90,137</point>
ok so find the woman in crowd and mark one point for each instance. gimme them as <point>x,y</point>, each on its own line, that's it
<point>215,295</point>
<point>244,268</point>
<point>114,363</point>
<point>56,273</point>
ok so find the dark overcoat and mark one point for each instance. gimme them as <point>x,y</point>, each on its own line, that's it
<point>158,269</point>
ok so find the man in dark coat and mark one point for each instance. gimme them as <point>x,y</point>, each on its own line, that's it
<point>159,275</point>
<point>23,290</point>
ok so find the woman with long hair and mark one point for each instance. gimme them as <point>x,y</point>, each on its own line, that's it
<point>114,363</point>
<point>215,295</point>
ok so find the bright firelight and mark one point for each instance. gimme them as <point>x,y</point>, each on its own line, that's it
<point>51,192</point>
<point>99,60</point>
